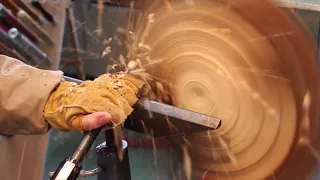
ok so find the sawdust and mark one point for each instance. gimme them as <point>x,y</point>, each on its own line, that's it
<point>187,163</point>
<point>106,41</point>
<point>106,51</point>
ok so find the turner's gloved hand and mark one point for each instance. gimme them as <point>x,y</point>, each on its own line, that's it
<point>111,93</point>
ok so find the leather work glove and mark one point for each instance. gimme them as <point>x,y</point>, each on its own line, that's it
<point>111,93</point>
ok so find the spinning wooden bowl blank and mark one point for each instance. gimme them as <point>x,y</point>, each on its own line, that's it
<point>250,63</point>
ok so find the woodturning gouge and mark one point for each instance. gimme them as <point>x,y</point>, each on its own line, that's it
<point>183,120</point>
<point>162,112</point>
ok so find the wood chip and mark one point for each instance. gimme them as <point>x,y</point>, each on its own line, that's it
<point>106,51</point>
<point>119,84</point>
<point>121,76</point>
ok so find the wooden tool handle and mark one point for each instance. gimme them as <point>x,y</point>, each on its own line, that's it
<point>11,5</point>
<point>27,8</point>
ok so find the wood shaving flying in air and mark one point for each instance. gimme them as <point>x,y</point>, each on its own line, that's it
<point>106,51</point>
<point>106,41</point>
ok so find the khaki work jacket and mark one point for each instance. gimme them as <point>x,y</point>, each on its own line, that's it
<point>24,91</point>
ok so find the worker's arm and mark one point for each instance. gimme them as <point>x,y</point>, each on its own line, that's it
<point>33,100</point>
<point>24,91</point>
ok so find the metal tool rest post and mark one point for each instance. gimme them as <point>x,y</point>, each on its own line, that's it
<point>111,167</point>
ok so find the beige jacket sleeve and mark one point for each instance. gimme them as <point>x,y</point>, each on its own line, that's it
<point>24,91</point>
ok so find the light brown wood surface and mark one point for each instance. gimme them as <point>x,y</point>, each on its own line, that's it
<point>248,62</point>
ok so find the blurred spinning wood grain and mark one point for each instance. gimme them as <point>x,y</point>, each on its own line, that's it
<point>249,62</point>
